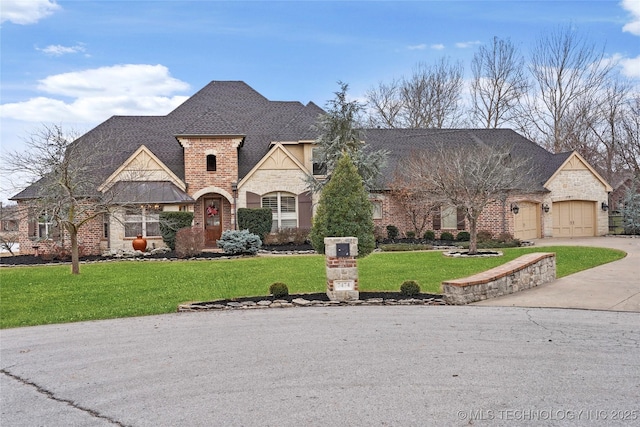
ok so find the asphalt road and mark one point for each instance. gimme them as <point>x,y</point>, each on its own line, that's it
<point>334,366</point>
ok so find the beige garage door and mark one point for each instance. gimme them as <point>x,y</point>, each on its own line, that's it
<point>574,219</point>
<point>527,221</point>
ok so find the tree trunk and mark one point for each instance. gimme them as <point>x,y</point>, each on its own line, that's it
<point>473,235</point>
<point>75,259</point>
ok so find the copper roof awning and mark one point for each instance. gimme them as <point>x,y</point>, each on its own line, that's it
<point>147,192</point>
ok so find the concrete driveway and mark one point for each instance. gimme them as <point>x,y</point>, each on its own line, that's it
<point>613,286</point>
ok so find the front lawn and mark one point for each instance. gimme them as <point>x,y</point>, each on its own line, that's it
<point>49,294</point>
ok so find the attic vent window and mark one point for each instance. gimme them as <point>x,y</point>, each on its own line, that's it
<point>211,163</point>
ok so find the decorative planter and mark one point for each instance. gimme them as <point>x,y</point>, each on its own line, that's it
<point>139,243</point>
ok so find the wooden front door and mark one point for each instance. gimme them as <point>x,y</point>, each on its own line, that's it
<point>212,220</point>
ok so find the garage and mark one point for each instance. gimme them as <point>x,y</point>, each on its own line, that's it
<point>575,218</point>
<point>527,221</point>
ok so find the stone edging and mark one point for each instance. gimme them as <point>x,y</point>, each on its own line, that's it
<point>301,302</point>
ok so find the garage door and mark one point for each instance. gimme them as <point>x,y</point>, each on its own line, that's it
<point>527,221</point>
<point>574,219</point>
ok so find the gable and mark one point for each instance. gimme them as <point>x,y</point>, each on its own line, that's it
<point>142,165</point>
<point>277,159</point>
<point>575,162</point>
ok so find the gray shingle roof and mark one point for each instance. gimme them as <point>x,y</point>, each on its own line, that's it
<point>402,142</point>
<point>234,108</point>
<point>220,108</point>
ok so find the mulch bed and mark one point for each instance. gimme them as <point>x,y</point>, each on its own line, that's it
<point>38,260</point>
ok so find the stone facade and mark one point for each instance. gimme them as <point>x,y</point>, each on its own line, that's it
<point>575,183</point>
<point>522,273</point>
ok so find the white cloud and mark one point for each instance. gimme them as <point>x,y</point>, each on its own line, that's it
<point>464,45</point>
<point>438,46</point>
<point>631,67</point>
<point>131,89</point>
<point>26,12</point>
<point>59,50</point>
<point>632,6</point>
<point>417,47</point>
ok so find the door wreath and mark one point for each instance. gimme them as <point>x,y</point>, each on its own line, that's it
<point>212,210</point>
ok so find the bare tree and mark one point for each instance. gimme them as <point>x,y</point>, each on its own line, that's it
<point>498,84</point>
<point>429,98</point>
<point>65,176</point>
<point>568,72</point>
<point>415,202</point>
<point>607,130</point>
<point>385,105</point>
<point>630,149</point>
<point>468,177</point>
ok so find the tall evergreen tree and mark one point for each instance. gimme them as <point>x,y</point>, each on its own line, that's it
<point>344,209</point>
<point>339,133</point>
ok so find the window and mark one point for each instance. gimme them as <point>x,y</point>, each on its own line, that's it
<point>449,217</point>
<point>318,168</point>
<point>377,209</point>
<point>45,226</point>
<point>283,208</point>
<point>144,221</point>
<point>211,163</point>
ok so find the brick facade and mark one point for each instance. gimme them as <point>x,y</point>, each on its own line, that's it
<point>205,183</point>
<point>90,240</point>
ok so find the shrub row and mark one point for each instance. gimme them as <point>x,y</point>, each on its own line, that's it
<point>393,233</point>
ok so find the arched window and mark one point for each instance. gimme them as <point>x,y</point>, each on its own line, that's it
<point>283,208</point>
<point>211,163</point>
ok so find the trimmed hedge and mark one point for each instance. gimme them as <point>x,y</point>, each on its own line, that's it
<point>257,220</point>
<point>170,223</point>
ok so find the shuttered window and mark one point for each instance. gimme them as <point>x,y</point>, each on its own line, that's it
<point>283,209</point>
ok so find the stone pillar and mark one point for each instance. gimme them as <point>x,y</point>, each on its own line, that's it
<point>342,271</point>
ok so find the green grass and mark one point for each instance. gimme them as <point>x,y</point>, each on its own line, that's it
<point>49,294</point>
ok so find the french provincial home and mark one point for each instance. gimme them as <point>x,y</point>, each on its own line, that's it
<point>228,147</point>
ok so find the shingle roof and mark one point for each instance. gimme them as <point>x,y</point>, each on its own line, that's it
<point>220,108</point>
<point>234,108</point>
<point>400,143</point>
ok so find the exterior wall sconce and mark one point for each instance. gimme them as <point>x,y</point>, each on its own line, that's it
<point>515,209</point>
<point>234,188</point>
<point>545,208</point>
<point>604,206</point>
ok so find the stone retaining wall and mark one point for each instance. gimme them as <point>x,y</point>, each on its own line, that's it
<point>522,273</point>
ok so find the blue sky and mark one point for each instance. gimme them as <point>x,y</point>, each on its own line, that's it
<point>76,63</point>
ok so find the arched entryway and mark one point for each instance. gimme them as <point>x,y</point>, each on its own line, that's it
<point>213,213</point>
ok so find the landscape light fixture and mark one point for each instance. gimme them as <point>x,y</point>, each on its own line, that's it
<point>515,209</point>
<point>545,208</point>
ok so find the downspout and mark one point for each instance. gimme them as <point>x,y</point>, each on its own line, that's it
<point>234,190</point>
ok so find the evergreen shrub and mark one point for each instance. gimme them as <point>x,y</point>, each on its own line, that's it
<point>257,220</point>
<point>236,242</point>
<point>170,223</point>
